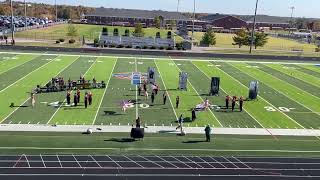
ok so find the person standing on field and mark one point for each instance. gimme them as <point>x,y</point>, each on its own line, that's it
<point>78,95</point>
<point>33,100</point>
<point>75,99</point>
<point>241,103</point>
<point>68,97</point>
<point>164,98</point>
<point>152,97</point>
<point>86,100</point>
<point>207,132</point>
<point>177,102</point>
<point>234,99</point>
<point>90,98</point>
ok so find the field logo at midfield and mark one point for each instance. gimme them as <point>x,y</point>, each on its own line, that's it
<point>128,75</point>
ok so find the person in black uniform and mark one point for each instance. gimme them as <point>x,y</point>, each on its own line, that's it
<point>234,99</point>
<point>68,98</point>
<point>227,101</point>
<point>145,86</point>
<point>177,102</point>
<point>164,96</point>
<point>75,99</point>
<point>241,103</point>
<point>152,97</point>
<point>86,101</point>
<point>193,114</point>
<point>139,90</point>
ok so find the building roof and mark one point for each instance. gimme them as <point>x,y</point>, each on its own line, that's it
<point>266,19</point>
<point>249,18</point>
<point>132,13</point>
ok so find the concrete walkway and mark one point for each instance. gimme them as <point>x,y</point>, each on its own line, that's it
<point>158,129</point>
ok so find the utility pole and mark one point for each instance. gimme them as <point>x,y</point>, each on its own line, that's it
<point>12,24</point>
<point>253,27</point>
<point>56,9</point>
<point>291,18</point>
<point>194,18</point>
<point>25,15</point>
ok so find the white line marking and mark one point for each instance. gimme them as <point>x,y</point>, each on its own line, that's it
<point>29,97</point>
<point>180,161</point>
<point>137,109</point>
<point>26,76</point>
<point>201,98</point>
<point>44,165</point>
<point>17,65</point>
<point>151,161</point>
<point>114,161</point>
<point>150,58</point>
<point>77,161</point>
<point>27,160</point>
<point>71,92</point>
<point>96,161</point>
<point>218,162</point>
<point>175,113</point>
<point>59,161</point>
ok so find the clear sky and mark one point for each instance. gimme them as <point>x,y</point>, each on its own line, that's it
<point>303,8</point>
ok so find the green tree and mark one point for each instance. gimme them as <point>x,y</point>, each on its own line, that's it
<point>157,22</point>
<point>72,31</point>
<point>169,35</point>
<point>115,32</point>
<point>241,38</point>
<point>105,31</point>
<point>300,23</point>
<point>209,38</point>
<point>261,39</point>
<point>138,30</point>
<point>158,35</point>
<point>316,25</point>
<point>173,24</point>
<point>127,32</point>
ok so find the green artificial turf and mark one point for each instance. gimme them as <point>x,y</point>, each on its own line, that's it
<point>278,92</point>
<point>159,144</point>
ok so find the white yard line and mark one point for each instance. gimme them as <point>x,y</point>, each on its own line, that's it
<point>29,97</point>
<point>137,109</point>
<point>162,58</point>
<point>26,75</point>
<point>199,95</point>
<point>16,65</point>
<point>286,94</point>
<point>71,92</point>
<point>175,113</point>
<point>264,99</point>
<point>227,93</point>
<point>104,93</point>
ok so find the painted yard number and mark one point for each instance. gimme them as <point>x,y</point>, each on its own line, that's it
<point>282,109</point>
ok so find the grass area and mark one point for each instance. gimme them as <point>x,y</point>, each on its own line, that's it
<point>35,143</point>
<point>225,40</point>
<point>90,32</point>
<point>286,100</point>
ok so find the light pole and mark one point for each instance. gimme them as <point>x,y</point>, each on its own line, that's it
<point>178,5</point>
<point>194,18</point>
<point>12,24</point>
<point>253,27</point>
<point>25,15</point>
<point>291,18</point>
<point>55,2</point>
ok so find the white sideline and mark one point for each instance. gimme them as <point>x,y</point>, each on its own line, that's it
<point>157,129</point>
<point>163,58</point>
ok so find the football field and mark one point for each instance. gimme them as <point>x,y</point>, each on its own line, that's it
<point>289,93</point>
